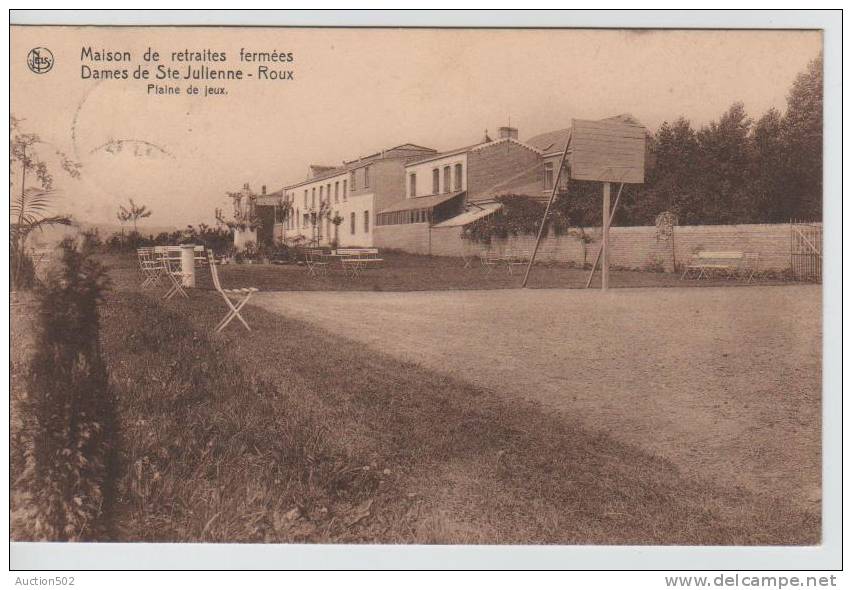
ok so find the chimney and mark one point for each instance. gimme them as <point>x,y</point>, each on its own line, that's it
<point>263,189</point>
<point>508,132</point>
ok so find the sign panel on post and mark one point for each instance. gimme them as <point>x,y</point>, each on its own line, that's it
<point>608,151</point>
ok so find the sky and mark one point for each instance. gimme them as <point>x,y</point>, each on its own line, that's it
<point>355,92</point>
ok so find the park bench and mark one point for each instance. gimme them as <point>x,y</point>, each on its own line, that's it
<point>729,264</point>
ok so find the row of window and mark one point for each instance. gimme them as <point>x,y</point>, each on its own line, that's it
<point>309,220</point>
<point>450,180</point>
<point>325,192</point>
<point>399,217</point>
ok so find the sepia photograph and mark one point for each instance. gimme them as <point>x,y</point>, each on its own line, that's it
<point>417,286</point>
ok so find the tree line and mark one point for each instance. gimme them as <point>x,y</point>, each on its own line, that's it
<point>732,170</point>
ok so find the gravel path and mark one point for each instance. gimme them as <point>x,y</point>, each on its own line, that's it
<point>723,382</point>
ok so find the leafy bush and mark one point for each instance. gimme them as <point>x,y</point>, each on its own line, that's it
<point>520,215</point>
<point>21,269</point>
<point>218,239</point>
<point>67,413</point>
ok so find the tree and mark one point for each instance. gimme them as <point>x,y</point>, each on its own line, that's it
<point>802,137</point>
<point>30,205</point>
<point>723,168</point>
<point>133,213</point>
<point>768,186</point>
<point>671,184</point>
<point>283,212</point>
<point>68,411</point>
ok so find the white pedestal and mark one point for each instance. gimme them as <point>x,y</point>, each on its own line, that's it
<point>187,264</point>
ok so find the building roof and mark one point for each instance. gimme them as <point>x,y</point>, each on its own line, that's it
<point>421,202</point>
<point>347,166</point>
<point>552,141</point>
<point>470,148</point>
<point>471,215</point>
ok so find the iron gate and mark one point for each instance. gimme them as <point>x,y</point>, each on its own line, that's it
<point>806,251</point>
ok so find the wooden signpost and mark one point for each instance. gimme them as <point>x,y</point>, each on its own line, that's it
<point>607,151</point>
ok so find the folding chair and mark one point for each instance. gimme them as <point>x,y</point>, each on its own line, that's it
<point>315,263</point>
<point>198,256</point>
<point>517,258</point>
<point>490,260</point>
<point>148,266</point>
<point>751,266</point>
<point>234,305</point>
<point>170,266</point>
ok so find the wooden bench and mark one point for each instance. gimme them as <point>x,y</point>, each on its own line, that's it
<point>730,264</point>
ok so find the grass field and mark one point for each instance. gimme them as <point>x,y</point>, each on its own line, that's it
<point>408,272</point>
<point>295,434</point>
<point>725,383</point>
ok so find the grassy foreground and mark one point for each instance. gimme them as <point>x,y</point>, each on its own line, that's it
<point>290,434</point>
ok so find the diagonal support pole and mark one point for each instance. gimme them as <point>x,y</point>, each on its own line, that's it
<point>547,210</point>
<point>600,250</point>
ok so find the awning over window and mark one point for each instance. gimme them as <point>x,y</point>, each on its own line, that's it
<point>471,215</point>
<point>421,202</point>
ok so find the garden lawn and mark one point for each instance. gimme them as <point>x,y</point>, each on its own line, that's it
<point>411,272</point>
<point>292,434</point>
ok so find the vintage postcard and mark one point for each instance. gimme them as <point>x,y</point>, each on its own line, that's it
<point>417,286</point>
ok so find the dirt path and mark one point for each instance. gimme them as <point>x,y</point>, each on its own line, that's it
<point>723,382</point>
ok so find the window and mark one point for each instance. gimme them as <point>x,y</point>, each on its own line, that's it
<point>412,185</point>
<point>337,192</point>
<point>344,190</point>
<point>304,220</point>
<point>458,186</point>
<point>314,198</point>
<point>366,222</point>
<point>328,193</point>
<point>366,177</point>
<point>321,194</point>
<point>306,198</point>
<point>352,182</point>
<point>447,180</point>
<point>296,220</point>
<point>436,181</point>
<point>352,223</point>
<point>548,176</point>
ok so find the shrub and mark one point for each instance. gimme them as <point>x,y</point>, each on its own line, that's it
<point>67,412</point>
<point>520,215</point>
<point>21,269</point>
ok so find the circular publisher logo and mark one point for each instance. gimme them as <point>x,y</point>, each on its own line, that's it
<point>40,60</point>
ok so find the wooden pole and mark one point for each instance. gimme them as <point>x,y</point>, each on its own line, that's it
<point>598,255</point>
<point>605,241</point>
<point>547,210</point>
